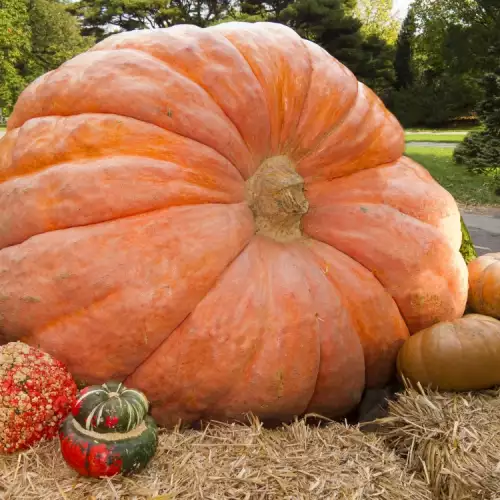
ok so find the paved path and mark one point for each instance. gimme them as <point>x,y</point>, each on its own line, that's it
<point>444,132</point>
<point>433,144</point>
<point>484,231</point>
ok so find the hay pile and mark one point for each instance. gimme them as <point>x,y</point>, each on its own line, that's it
<point>453,440</point>
<point>231,462</point>
<point>431,447</point>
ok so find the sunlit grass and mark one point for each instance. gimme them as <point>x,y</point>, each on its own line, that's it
<point>467,188</point>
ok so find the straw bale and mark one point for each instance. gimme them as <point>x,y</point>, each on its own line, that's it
<point>230,461</point>
<point>451,439</point>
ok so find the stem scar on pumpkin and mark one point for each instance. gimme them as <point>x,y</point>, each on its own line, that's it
<point>275,195</point>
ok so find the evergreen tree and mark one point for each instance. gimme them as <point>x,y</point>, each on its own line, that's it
<point>333,25</point>
<point>376,69</point>
<point>403,58</point>
<point>329,23</point>
<point>480,151</point>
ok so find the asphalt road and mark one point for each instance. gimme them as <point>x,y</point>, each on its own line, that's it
<point>425,144</point>
<point>484,231</point>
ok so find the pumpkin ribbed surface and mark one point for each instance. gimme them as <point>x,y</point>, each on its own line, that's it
<point>223,219</point>
<point>110,407</point>
<point>459,355</point>
<point>484,285</point>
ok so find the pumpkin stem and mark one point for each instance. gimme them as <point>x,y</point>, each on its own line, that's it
<point>275,194</point>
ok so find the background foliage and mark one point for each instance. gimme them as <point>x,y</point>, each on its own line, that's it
<point>36,36</point>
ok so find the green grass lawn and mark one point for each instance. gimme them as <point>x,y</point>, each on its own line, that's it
<point>467,188</point>
<point>444,130</point>
<point>435,137</point>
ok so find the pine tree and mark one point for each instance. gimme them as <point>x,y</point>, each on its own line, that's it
<point>376,69</point>
<point>481,150</point>
<point>404,55</point>
<point>329,23</point>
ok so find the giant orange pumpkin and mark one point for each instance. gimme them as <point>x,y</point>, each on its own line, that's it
<point>222,218</point>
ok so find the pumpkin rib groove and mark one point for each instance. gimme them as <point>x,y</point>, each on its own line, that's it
<point>439,236</point>
<point>98,301</point>
<point>191,189</point>
<point>158,61</point>
<point>254,74</point>
<point>302,259</point>
<point>340,119</point>
<point>337,285</point>
<point>93,158</point>
<point>128,117</point>
<point>357,262</point>
<point>329,133</point>
<point>308,181</point>
<point>280,150</point>
<point>374,139</point>
<point>480,285</point>
<point>258,352</point>
<point>176,70</point>
<point>113,349</point>
<point>214,284</point>
<point>158,157</point>
<point>118,217</point>
<point>249,362</point>
<point>306,95</point>
<point>400,166</point>
<point>354,203</point>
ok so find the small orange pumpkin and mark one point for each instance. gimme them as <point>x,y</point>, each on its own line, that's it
<point>484,285</point>
<point>223,219</point>
<point>460,355</point>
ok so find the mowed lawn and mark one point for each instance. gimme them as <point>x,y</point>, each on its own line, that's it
<point>467,188</point>
<point>435,137</point>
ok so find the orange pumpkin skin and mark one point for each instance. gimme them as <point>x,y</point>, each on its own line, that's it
<point>460,355</point>
<point>484,285</point>
<point>223,219</point>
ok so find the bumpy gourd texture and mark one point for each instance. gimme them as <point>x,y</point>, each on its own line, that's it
<point>222,218</point>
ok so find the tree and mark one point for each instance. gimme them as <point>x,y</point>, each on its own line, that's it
<point>36,36</point>
<point>15,44</point>
<point>403,60</point>
<point>103,17</point>
<point>377,19</point>
<point>328,23</point>
<point>55,37</point>
<point>376,69</point>
<point>439,79</point>
<point>332,24</point>
<point>480,151</point>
